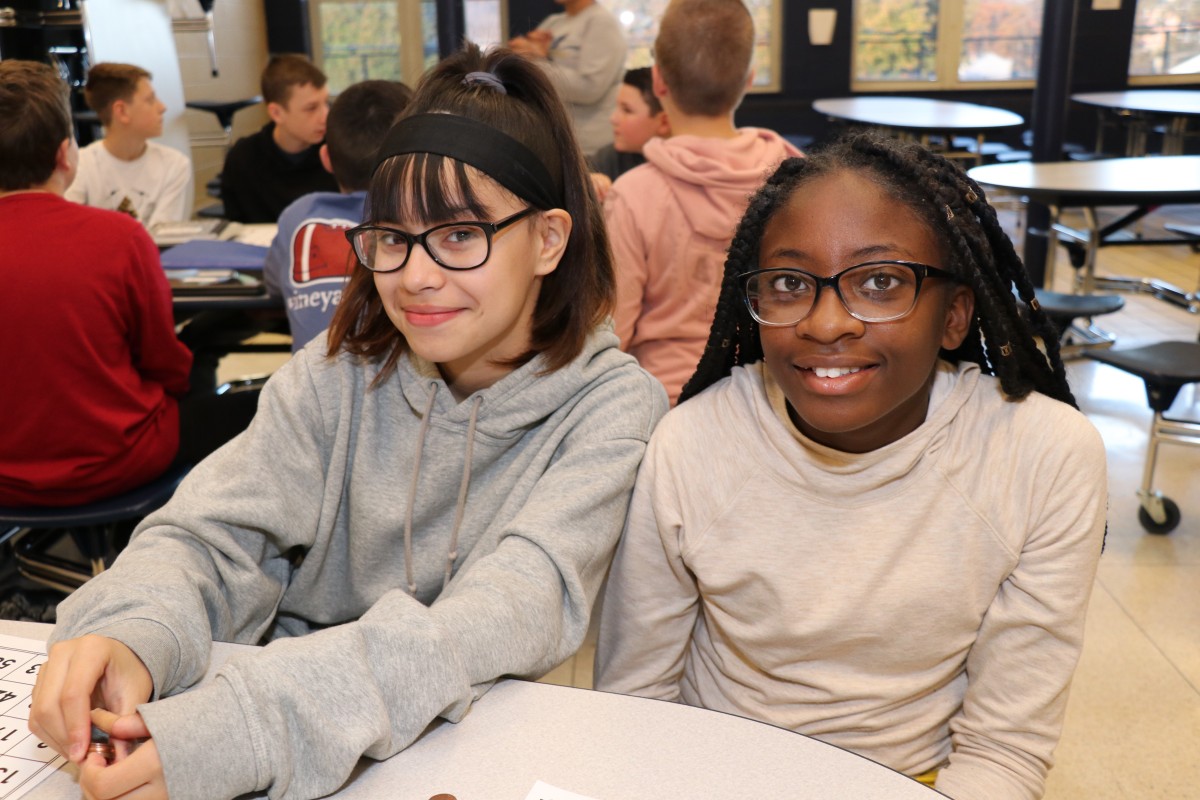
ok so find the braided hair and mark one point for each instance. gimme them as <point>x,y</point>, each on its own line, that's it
<point>1002,340</point>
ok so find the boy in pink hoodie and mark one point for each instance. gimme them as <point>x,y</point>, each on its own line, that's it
<point>671,220</point>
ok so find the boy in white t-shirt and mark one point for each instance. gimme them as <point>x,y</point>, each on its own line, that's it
<point>125,171</point>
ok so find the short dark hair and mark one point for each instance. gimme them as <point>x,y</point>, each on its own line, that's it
<point>286,71</point>
<point>358,121</point>
<point>576,296</point>
<point>703,51</point>
<point>109,82</point>
<point>642,79</point>
<point>37,119</point>
<point>1002,339</point>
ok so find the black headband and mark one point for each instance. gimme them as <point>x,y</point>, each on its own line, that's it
<point>495,153</point>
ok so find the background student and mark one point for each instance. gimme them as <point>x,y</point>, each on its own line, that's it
<point>266,171</point>
<point>125,171</point>
<point>92,370</point>
<point>637,118</point>
<point>671,219</point>
<point>100,396</point>
<point>875,516</point>
<point>583,51</point>
<point>310,258</point>
<point>427,500</point>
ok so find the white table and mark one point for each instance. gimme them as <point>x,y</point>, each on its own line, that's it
<point>604,746</point>
<point>1138,107</point>
<point>920,117</point>
<point>1145,183</point>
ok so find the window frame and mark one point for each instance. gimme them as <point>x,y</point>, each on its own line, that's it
<point>774,43</point>
<point>411,28</point>
<point>948,45</point>
<point>1166,79</point>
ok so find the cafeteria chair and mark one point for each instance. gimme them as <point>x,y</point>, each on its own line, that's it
<point>36,532</point>
<point>1165,368</point>
<point>1064,309</point>
<point>224,111</point>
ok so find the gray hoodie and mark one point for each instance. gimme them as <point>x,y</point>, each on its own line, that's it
<point>297,528</point>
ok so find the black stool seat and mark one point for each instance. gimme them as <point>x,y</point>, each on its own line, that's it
<point>1070,306</point>
<point>1064,309</point>
<point>135,503</point>
<point>35,531</point>
<point>1166,367</point>
<point>223,109</point>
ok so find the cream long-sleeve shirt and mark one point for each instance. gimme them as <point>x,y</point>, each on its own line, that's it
<point>922,604</point>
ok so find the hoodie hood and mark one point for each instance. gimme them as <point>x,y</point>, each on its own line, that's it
<point>713,178</point>
<point>521,400</point>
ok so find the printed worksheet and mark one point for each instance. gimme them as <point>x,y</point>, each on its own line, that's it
<point>24,761</point>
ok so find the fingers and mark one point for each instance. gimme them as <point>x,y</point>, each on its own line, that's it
<point>138,777</point>
<point>79,673</point>
<point>129,726</point>
<point>126,733</point>
<point>60,712</point>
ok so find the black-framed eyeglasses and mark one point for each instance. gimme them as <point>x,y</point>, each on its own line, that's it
<point>453,245</point>
<point>877,291</point>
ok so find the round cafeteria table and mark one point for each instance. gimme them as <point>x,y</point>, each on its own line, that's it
<point>602,746</point>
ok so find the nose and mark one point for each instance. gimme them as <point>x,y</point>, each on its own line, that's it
<point>421,273</point>
<point>829,320</point>
<point>612,118</point>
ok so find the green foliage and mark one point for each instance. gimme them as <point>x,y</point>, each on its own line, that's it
<point>360,40</point>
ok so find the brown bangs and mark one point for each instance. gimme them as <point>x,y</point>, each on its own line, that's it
<point>423,188</point>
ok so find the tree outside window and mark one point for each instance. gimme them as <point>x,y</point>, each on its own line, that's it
<point>390,39</point>
<point>927,43</point>
<point>1166,38</point>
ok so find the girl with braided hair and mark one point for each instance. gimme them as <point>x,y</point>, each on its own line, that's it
<point>875,515</point>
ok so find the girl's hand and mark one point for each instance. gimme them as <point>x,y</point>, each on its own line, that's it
<point>136,774</point>
<point>80,674</point>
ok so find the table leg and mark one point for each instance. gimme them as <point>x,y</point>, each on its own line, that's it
<point>1051,246</point>
<point>1093,247</point>
<point>1173,139</point>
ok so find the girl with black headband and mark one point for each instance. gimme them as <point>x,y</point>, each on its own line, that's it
<point>875,515</point>
<point>427,499</point>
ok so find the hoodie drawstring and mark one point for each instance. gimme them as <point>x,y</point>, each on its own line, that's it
<point>412,492</point>
<point>460,506</point>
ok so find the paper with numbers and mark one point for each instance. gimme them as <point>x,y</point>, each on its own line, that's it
<point>24,761</point>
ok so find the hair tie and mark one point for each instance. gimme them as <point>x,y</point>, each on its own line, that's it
<point>1006,349</point>
<point>484,79</point>
<point>949,213</point>
<point>971,196</point>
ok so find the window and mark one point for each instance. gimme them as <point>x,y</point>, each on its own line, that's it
<point>354,40</point>
<point>1166,40</point>
<point>925,44</point>
<point>639,18</point>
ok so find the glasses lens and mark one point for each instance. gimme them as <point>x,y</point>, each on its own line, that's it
<point>879,292</point>
<point>460,246</point>
<point>380,250</point>
<point>780,296</point>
